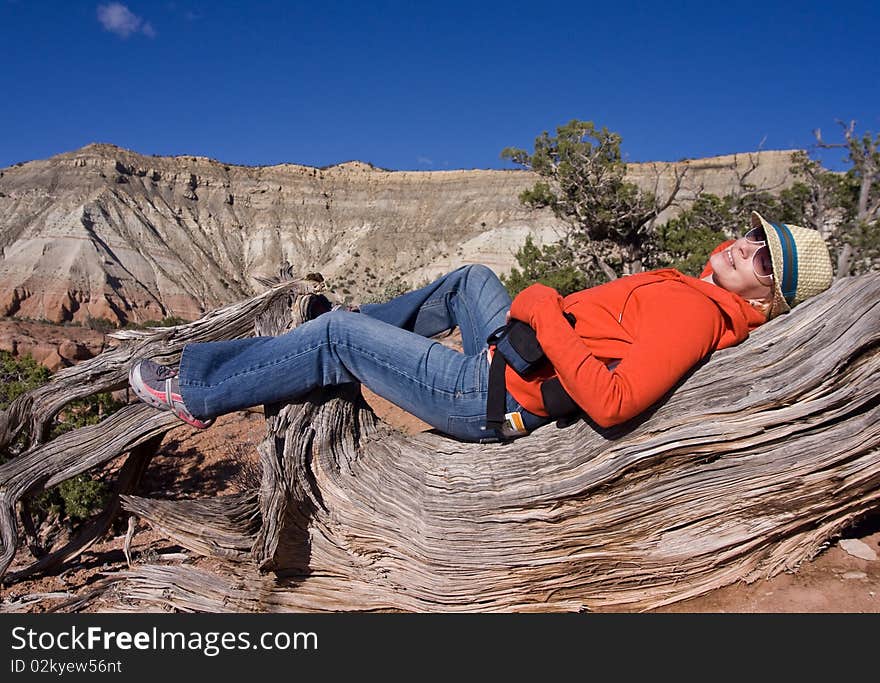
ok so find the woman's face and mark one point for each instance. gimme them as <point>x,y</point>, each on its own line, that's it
<point>733,270</point>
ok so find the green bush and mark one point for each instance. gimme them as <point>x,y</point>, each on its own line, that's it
<point>100,324</point>
<point>173,321</point>
<point>75,499</point>
<point>390,290</point>
<point>685,242</point>
<point>170,321</point>
<point>84,411</point>
<point>82,496</point>
<point>18,376</point>
<point>551,265</point>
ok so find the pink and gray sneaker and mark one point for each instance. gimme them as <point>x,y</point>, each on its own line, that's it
<point>158,386</point>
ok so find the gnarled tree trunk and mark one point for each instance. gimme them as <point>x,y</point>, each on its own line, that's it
<point>754,462</point>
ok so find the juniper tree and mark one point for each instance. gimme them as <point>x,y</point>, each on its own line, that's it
<point>610,221</point>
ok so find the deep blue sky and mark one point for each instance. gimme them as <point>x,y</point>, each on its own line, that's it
<point>430,85</point>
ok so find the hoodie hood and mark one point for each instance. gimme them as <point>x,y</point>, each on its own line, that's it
<point>739,315</point>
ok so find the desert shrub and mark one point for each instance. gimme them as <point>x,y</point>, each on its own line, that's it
<point>19,375</point>
<point>84,411</point>
<point>170,321</point>
<point>552,265</point>
<point>77,498</point>
<point>100,324</point>
<point>390,290</point>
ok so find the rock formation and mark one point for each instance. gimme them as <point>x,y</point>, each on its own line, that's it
<point>103,232</point>
<point>54,346</point>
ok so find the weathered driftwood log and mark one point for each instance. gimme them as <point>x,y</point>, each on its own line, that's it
<point>759,458</point>
<point>134,430</point>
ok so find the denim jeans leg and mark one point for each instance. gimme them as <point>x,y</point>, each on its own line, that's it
<point>471,297</point>
<point>443,387</point>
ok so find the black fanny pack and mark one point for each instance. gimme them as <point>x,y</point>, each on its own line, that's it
<point>516,344</point>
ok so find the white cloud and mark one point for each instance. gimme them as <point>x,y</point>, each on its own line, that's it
<point>425,161</point>
<point>117,18</point>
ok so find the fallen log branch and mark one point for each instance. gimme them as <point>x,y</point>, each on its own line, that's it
<point>44,465</point>
<point>129,476</point>
<point>33,411</point>
<point>222,527</point>
<point>754,463</point>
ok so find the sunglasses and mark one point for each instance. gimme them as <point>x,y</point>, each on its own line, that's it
<point>762,264</point>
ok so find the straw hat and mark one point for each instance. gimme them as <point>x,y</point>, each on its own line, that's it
<point>801,263</point>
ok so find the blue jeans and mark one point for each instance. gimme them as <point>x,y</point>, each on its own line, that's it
<point>385,347</point>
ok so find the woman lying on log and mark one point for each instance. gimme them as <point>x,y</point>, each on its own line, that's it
<point>610,351</point>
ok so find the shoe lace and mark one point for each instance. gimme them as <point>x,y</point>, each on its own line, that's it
<point>165,371</point>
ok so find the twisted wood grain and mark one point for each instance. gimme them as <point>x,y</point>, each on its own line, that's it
<point>749,467</point>
<point>45,464</point>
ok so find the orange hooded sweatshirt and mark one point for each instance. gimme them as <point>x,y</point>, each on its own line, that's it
<point>657,325</point>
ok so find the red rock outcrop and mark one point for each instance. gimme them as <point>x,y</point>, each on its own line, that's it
<point>54,346</point>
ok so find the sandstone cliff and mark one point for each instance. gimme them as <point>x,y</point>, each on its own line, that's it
<point>103,232</point>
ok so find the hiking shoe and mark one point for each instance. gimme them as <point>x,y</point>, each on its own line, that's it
<point>320,304</point>
<point>158,386</point>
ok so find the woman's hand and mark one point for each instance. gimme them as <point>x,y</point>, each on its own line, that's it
<point>534,298</point>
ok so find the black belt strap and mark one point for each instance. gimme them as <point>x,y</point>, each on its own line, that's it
<point>496,399</point>
<point>557,402</point>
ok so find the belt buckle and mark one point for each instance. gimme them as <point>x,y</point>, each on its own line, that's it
<point>513,425</point>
